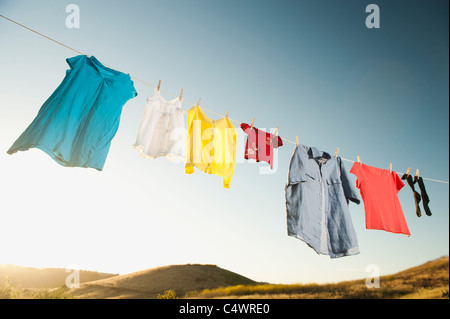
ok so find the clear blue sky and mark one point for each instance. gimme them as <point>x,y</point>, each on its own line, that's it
<point>312,68</point>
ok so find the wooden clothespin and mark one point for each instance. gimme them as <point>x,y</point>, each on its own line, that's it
<point>198,101</point>
<point>336,153</point>
<point>407,172</point>
<point>417,173</point>
<point>275,132</point>
<point>181,95</point>
<point>251,125</point>
<point>226,114</point>
<point>159,85</point>
<point>296,140</point>
<point>390,167</point>
<point>359,160</point>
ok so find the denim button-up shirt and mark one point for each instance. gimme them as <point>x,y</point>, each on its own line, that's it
<point>317,196</point>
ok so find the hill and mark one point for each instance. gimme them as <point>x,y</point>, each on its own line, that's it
<point>149,283</point>
<point>28,277</point>
<point>427,281</point>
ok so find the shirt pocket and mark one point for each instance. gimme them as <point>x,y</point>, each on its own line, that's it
<point>311,181</point>
<point>335,189</point>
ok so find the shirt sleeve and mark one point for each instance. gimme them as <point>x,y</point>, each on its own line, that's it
<point>398,182</point>
<point>350,190</point>
<point>244,126</point>
<point>134,93</point>
<point>277,142</point>
<point>355,171</point>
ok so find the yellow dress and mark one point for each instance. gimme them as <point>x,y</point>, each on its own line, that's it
<point>210,145</point>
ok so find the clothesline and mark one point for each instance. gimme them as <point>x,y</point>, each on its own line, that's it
<point>171,94</point>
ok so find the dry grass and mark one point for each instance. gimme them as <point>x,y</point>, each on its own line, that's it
<point>430,280</point>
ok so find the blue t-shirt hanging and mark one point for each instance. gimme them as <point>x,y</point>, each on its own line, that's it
<point>76,124</point>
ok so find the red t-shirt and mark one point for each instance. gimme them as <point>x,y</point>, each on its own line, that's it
<point>260,144</point>
<point>379,190</point>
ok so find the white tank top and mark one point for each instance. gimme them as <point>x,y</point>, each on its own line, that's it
<point>162,131</point>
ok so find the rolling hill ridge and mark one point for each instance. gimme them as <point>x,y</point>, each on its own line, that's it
<point>149,283</point>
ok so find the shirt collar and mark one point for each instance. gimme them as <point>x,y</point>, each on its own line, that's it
<point>315,153</point>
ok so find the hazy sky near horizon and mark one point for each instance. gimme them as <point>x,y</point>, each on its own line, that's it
<point>312,68</point>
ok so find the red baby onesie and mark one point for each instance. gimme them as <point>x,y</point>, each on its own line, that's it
<point>379,188</point>
<point>260,144</point>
